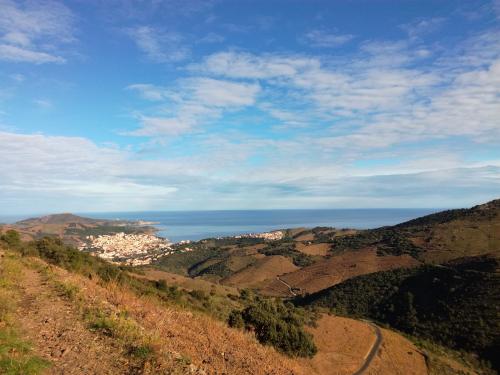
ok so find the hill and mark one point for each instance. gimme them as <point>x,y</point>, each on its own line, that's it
<point>64,218</point>
<point>455,304</point>
<point>72,228</point>
<point>72,313</point>
<point>433,238</point>
<point>326,256</point>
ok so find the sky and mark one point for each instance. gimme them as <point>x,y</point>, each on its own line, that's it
<point>132,105</point>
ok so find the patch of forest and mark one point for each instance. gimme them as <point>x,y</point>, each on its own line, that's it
<point>455,304</point>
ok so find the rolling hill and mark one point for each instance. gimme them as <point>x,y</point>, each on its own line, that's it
<point>67,312</point>
<point>413,277</point>
<point>72,228</point>
<point>326,256</point>
<point>455,304</point>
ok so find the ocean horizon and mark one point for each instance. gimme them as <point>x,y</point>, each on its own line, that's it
<point>197,225</point>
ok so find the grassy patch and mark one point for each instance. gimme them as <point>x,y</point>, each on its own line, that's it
<point>454,304</point>
<point>16,355</point>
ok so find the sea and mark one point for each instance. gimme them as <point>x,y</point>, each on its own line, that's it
<point>196,225</point>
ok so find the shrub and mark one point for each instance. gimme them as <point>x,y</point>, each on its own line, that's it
<point>277,324</point>
<point>11,238</point>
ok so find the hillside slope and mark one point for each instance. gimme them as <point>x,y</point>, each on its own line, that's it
<point>434,238</point>
<point>327,256</point>
<point>72,228</point>
<point>455,304</point>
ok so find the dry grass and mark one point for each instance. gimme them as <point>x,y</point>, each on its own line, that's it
<point>187,283</point>
<point>313,249</point>
<point>336,269</point>
<point>398,356</point>
<point>263,269</point>
<point>195,338</point>
<point>344,343</point>
<point>16,354</point>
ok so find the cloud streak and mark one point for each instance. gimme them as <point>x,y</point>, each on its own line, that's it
<point>34,32</point>
<point>158,45</point>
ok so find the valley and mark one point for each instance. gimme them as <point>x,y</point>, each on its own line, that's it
<point>316,301</point>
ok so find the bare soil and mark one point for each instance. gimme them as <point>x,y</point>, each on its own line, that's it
<point>263,269</point>
<point>344,344</point>
<point>336,269</point>
<point>313,249</point>
<point>58,334</point>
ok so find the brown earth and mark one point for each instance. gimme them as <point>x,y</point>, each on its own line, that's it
<point>210,346</point>
<point>343,345</point>
<point>55,324</point>
<point>313,249</point>
<point>263,269</point>
<point>57,333</point>
<point>336,269</point>
<point>397,356</point>
<point>305,237</point>
<point>460,238</point>
<point>185,282</point>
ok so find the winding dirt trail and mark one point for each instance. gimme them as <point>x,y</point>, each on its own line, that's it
<point>373,350</point>
<point>287,285</point>
<point>58,334</point>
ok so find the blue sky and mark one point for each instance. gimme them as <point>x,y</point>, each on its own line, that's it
<point>124,105</point>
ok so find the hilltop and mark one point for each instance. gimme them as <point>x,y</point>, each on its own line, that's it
<point>455,304</point>
<point>73,229</point>
<point>434,278</point>
<point>66,312</point>
<point>61,219</point>
<point>309,260</point>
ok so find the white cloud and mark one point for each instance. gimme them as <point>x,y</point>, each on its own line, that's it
<point>159,45</point>
<point>218,93</point>
<point>245,65</point>
<point>34,31</point>
<point>149,91</point>
<point>43,103</point>
<point>17,54</point>
<point>160,126</point>
<point>212,38</point>
<point>421,27</point>
<point>70,171</point>
<point>192,102</point>
<point>42,173</point>
<point>382,96</point>
<point>326,39</point>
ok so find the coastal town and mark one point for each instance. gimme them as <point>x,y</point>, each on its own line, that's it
<point>142,249</point>
<point>129,249</point>
<point>268,236</point>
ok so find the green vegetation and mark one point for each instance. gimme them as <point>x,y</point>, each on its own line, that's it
<point>275,323</point>
<point>455,304</point>
<point>387,240</point>
<point>185,263</point>
<point>287,249</point>
<point>481,212</point>
<point>103,229</point>
<point>16,355</point>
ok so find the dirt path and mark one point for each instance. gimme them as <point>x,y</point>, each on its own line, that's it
<point>287,285</point>
<point>58,334</point>
<point>373,351</point>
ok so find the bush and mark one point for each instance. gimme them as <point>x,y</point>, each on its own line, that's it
<point>455,304</point>
<point>276,324</point>
<point>11,238</point>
